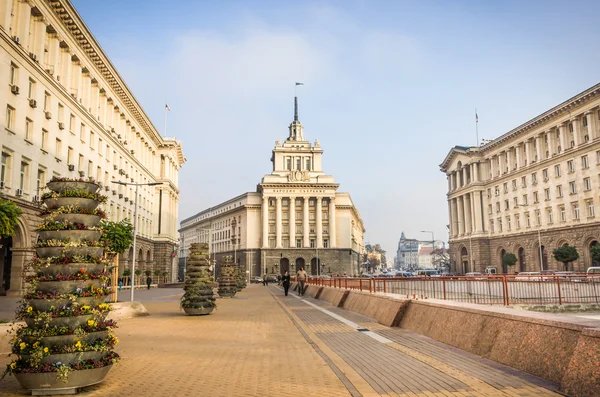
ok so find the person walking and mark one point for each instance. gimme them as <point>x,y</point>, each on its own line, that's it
<point>265,281</point>
<point>120,284</point>
<point>148,281</point>
<point>301,277</point>
<point>285,280</point>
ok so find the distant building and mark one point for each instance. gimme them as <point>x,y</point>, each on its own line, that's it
<point>407,255</point>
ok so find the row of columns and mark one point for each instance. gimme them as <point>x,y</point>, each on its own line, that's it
<point>466,216</point>
<point>292,222</point>
<point>464,175</point>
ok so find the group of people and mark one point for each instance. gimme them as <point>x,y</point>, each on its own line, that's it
<point>285,281</point>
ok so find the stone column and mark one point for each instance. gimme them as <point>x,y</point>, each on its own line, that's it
<point>478,215</point>
<point>464,174</point>
<point>576,137</point>
<point>538,146</point>
<point>292,222</point>
<point>265,222</point>
<point>551,143</point>
<point>454,217</point>
<point>527,152</point>
<point>449,177</point>
<point>461,216</point>
<point>450,220</point>
<point>467,212</point>
<point>319,222</point>
<point>509,159</point>
<point>492,168</point>
<point>39,37</point>
<point>305,224</point>
<point>22,28</point>
<point>332,224</point>
<point>476,172</point>
<point>591,125</point>
<point>278,222</point>
<point>563,137</point>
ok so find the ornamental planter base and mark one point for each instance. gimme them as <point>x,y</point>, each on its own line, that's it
<point>199,311</point>
<point>47,384</point>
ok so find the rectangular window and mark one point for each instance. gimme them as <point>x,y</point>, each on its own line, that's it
<point>298,243</point>
<point>492,225</point>
<point>527,220</point>
<point>575,210</point>
<point>590,208</point>
<point>497,207</point>
<point>100,144</point>
<point>534,178</point>
<point>58,148</point>
<point>557,170</point>
<point>41,181</point>
<point>598,157</point>
<point>500,225</point>
<point>523,181</point>
<point>571,166</point>
<point>23,175</point>
<point>61,113</point>
<point>70,155</point>
<point>538,218</point>
<point>587,184</point>
<point>28,130</point>
<point>545,174</point>
<point>563,213</point>
<point>516,202</point>
<point>514,184</point>
<point>490,210</point>
<point>549,216</point>
<point>312,243</point>
<point>505,186</point>
<point>10,117</point>
<point>90,169</point>
<point>325,243</point>
<point>72,124</point>
<point>535,197</point>
<point>518,221</point>
<point>298,229</point>
<point>559,191</point>
<point>308,165</point>
<point>44,140</point>
<point>4,168</point>
<point>46,102</point>
<point>92,136</point>
<point>289,163</point>
<point>80,165</point>
<point>14,70</point>
<point>525,199</point>
<point>572,188</point>
<point>585,162</point>
<point>508,225</point>
<point>547,194</point>
<point>298,164</point>
<point>31,90</point>
<point>82,132</point>
<point>506,205</point>
<point>489,193</point>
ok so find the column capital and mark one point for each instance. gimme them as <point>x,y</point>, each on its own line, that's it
<point>588,112</point>
<point>278,198</point>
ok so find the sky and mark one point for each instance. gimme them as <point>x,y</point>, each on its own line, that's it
<point>389,88</point>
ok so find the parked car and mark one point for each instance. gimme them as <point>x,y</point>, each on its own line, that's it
<point>256,280</point>
<point>476,275</point>
<point>593,270</point>
<point>426,273</point>
<point>570,276</point>
<point>271,278</point>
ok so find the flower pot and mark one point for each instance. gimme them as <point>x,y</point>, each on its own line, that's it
<point>66,287</point>
<point>61,340</point>
<point>46,304</point>
<point>72,268</point>
<point>84,219</point>
<point>67,358</point>
<point>61,186</point>
<point>54,203</point>
<point>71,322</point>
<point>72,235</point>
<point>45,252</point>
<point>48,383</point>
<point>200,311</point>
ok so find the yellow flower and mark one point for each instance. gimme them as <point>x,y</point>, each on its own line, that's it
<point>23,345</point>
<point>91,323</point>
<point>78,345</point>
<point>13,365</point>
<point>103,306</point>
<point>45,350</point>
<point>29,309</point>
<point>85,308</point>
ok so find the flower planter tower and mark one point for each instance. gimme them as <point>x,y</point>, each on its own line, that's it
<point>240,278</point>
<point>227,281</point>
<point>198,298</point>
<point>67,342</point>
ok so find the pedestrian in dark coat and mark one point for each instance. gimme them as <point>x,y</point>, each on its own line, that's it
<point>148,281</point>
<point>285,280</point>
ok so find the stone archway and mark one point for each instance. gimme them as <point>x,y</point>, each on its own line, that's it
<point>314,266</point>
<point>5,264</point>
<point>13,267</point>
<point>464,260</point>
<point>300,263</point>
<point>284,265</point>
<point>521,260</point>
<point>590,261</point>
<point>503,266</point>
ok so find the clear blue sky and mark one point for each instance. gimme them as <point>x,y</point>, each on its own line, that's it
<point>390,87</point>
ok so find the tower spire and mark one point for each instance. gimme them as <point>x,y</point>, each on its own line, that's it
<point>295,108</point>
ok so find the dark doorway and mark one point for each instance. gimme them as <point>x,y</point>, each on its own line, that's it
<point>285,265</point>
<point>6,260</point>
<point>314,263</point>
<point>504,266</point>
<point>300,264</point>
<point>522,264</point>
<point>464,259</point>
<point>544,258</point>
<point>592,261</point>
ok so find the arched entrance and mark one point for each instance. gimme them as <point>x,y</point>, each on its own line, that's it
<point>464,260</point>
<point>300,263</point>
<point>504,266</point>
<point>6,261</point>
<point>285,265</point>
<point>590,260</point>
<point>544,258</point>
<point>14,254</point>
<point>521,256</point>
<point>314,266</point>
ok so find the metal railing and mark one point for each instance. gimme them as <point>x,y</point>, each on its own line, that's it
<point>491,290</point>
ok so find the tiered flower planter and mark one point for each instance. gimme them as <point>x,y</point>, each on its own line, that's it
<point>227,281</point>
<point>67,342</point>
<point>198,298</point>
<point>240,278</point>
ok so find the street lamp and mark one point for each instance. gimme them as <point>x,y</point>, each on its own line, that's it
<point>137,185</point>
<point>432,243</point>
<point>539,240</point>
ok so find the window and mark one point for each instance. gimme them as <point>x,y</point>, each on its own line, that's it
<point>46,102</point>
<point>514,184</point>
<point>31,90</point>
<point>41,181</point>
<point>563,213</point>
<point>598,157</point>
<point>289,163</point>
<point>298,164</point>
<point>508,225</point>
<point>82,132</point>
<point>590,208</point>
<point>534,178</point>
<point>506,205</point>
<point>571,166</point>
<point>489,193</point>
<point>587,184</point>
<point>100,143</point>
<point>516,202</point>
<point>70,155</point>
<point>518,221</point>
<point>559,191</point>
<point>72,124</point>
<point>497,207</point>
<point>23,175</point>
<point>90,169</point>
<point>298,243</point>
<point>497,190</point>
<point>312,243</point>
<point>585,162</point>
<point>557,170</point>
<point>584,121</point>
<point>523,181</point>
<point>14,70</point>
<point>505,186</point>
<point>98,174</point>
<point>5,168</point>
<point>525,199</point>
<point>545,174</point>
<point>308,164</point>
<point>10,117</point>
<point>61,113</point>
<point>44,140</point>
<point>58,148</point>
<point>500,225</point>
<point>28,129</point>
<point>92,136</point>
<point>549,216</point>
<point>575,207</point>
<point>325,243</point>
<point>538,217</point>
<point>80,165</point>
<point>547,194</point>
<point>492,225</point>
<point>535,197</point>
<point>490,210</point>
<point>527,220</point>
<point>572,188</point>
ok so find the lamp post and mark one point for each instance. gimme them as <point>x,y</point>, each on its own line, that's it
<point>137,186</point>
<point>432,242</point>
<point>539,240</point>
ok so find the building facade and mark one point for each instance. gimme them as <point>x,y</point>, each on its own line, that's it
<point>407,255</point>
<point>296,218</point>
<point>67,112</point>
<point>528,192</point>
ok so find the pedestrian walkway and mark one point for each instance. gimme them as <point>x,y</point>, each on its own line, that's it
<point>261,343</point>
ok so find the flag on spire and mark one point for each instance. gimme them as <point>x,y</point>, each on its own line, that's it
<point>299,83</point>
<point>167,107</point>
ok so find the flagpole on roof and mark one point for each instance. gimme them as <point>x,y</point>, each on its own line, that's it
<point>476,128</point>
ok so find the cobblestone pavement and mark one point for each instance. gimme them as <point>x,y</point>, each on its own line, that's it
<point>264,344</point>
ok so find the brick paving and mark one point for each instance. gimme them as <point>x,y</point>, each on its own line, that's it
<point>264,344</point>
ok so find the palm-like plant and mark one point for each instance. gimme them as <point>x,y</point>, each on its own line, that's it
<point>9,215</point>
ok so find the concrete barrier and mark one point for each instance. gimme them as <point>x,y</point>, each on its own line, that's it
<point>582,378</point>
<point>313,291</point>
<point>333,296</point>
<point>387,311</point>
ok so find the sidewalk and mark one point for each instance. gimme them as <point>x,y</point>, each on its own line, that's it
<point>264,344</point>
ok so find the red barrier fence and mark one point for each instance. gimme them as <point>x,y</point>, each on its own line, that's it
<point>492,290</point>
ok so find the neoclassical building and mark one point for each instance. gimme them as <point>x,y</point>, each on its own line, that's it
<point>67,112</point>
<point>296,217</point>
<point>529,191</point>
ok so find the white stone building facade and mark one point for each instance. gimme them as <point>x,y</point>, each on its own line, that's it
<point>296,218</point>
<point>67,112</point>
<point>531,190</point>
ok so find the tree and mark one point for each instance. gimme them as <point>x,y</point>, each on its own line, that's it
<point>9,215</point>
<point>565,254</point>
<point>509,259</point>
<point>127,273</point>
<point>595,254</point>
<point>440,258</point>
<point>117,235</point>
